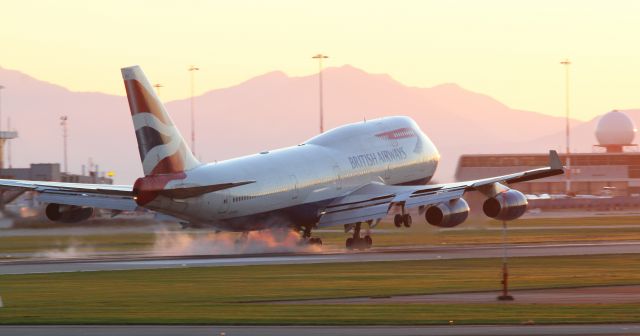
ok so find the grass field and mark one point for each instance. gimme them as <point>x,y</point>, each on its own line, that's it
<point>475,232</point>
<point>237,295</point>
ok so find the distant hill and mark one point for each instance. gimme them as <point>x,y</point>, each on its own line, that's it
<point>100,125</point>
<point>268,111</point>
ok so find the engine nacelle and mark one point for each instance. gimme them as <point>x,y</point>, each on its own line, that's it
<point>449,214</point>
<point>67,213</point>
<point>505,206</point>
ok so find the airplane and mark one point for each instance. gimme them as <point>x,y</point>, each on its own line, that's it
<point>353,176</point>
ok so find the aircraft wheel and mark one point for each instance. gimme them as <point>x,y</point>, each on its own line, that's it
<point>349,243</point>
<point>406,220</point>
<point>315,241</point>
<point>368,241</point>
<point>397,220</point>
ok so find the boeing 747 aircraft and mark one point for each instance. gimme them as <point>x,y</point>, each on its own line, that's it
<point>352,176</point>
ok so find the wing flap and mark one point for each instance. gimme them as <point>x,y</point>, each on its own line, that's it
<point>426,199</point>
<point>44,186</point>
<point>370,202</point>
<point>365,213</point>
<point>104,196</point>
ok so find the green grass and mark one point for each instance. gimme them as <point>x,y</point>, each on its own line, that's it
<point>481,236</point>
<point>419,234</point>
<point>237,295</point>
<point>568,221</point>
<point>141,242</point>
<point>94,242</point>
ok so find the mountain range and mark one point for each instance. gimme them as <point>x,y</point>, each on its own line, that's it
<point>270,111</point>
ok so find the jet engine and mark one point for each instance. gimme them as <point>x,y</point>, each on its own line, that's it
<point>67,213</point>
<point>507,205</point>
<point>448,214</point>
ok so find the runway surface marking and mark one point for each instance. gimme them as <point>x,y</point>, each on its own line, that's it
<point>428,253</point>
<point>471,330</point>
<point>591,295</point>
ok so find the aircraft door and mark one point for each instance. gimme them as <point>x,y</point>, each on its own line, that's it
<point>338,177</point>
<point>224,204</point>
<point>294,186</point>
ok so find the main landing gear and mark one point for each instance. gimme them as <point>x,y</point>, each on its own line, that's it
<point>402,219</point>
<point>356,242</point>
<point>307,239</point>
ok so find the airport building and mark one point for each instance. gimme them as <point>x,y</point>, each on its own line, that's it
<point>613,169</point>
<point>17,204</point>
<point>43,171</point>
<point>591,173</point>
<point>51,172</point>
<point>612,172</point>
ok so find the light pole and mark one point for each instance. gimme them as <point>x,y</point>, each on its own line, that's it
<point>505,296</point>
<point>2,144</point>
<point>63,123</point>
<point>566,64</point>
<point>157,86</point>
<point>192,70</point>
<point>320,57</point>
<point>9,143</point>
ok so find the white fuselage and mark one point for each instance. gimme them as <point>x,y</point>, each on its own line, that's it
<point>292,184</point>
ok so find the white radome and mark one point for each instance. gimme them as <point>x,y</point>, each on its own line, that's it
<point>615,128</point>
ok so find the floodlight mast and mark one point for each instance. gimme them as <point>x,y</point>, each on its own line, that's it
<point>63,123</point>
<point>158,86</point>
<point>192,70</point>
<point>320,57</point>
<point>566,63</point>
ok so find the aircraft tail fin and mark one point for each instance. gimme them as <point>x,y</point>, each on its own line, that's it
<point>162,148</point>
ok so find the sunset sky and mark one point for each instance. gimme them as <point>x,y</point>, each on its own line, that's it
<point>509,50</point>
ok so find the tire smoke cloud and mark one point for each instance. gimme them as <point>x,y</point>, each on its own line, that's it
<point>206,243</point>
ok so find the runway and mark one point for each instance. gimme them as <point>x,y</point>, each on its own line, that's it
<point>480,330</point>
<point>379,254</point>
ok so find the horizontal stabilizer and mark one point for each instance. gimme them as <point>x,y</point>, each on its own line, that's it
<point>189,192</point>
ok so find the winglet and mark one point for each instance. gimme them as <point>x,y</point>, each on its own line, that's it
<point>554,160</point>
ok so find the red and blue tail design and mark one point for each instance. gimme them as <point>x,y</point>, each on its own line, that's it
<point>162,148</point>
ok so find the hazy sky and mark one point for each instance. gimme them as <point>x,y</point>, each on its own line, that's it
<point>509,50</point>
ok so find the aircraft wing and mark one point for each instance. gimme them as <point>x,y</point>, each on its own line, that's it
<point>374,200</point>
<point>105,196</point>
